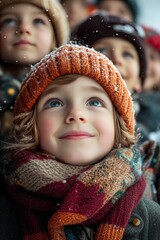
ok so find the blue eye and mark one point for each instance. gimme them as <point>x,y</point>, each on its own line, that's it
<point>9,22</point>
<point>127,54</point>
<point>104,51</point>
<point>38,21</point>
<point>53,103</point>
<point>94,103</point>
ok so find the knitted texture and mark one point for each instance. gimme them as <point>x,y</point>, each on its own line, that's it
<point>74,59</point>
<point>55,12</point>
<point>59,195</point>
<point>101,25</point>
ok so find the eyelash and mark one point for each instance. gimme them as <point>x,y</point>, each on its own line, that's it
<point>127,54</point>
<point>38,21</point>
<point>98,100</point>
<point>52,100</point>
<point>11,21</point>
<point>61,104</point>
<point>7,22</point>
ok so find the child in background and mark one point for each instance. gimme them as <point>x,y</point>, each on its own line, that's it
<point>149,114</point>
<point>29,29</point>
<point>75,170</point>
<point>149,101</point>
<point>123,42</point>
<point>77,11</point>
<point>120,40</point>
<point>127,9</point>
<point>152,81</point>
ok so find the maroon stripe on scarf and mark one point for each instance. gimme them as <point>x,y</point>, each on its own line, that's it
<point>26,156</point>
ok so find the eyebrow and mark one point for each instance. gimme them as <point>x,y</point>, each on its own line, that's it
<point>127,47</point>
<point>33,13</point>
<point>51,90</point>
<point>97,89</point>
<point>56,87</point>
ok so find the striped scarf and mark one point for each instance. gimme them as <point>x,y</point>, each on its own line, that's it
<point>52,195</point>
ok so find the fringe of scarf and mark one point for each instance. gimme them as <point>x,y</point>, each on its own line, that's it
<point>52,195</point>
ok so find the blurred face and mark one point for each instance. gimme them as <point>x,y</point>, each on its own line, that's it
<point>76,11</point>
<point>153,75</point>
<point>117,8</point>
<point>124,55</point>
<point>75,121</point>
<point>26,34</point>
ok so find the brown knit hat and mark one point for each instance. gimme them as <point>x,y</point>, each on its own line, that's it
<point>55,12</point>
<point>75,59</point>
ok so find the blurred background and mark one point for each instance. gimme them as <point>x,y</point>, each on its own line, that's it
<point>149,13</point>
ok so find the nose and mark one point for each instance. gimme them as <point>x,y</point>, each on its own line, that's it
<point>75,115</point>
<point>24,28</point>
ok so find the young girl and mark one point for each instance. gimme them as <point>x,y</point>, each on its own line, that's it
<point>74,170</point>
<point>28,31</point>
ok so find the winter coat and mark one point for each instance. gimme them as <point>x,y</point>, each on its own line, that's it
<point>143,224</point>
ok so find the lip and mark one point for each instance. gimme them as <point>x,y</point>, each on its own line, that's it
<point>76,135</point>
<point>23,42</point>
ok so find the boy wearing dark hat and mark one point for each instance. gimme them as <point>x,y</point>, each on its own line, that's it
<point>119,40</point>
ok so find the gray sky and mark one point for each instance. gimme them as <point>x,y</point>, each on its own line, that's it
<point>150,13</point>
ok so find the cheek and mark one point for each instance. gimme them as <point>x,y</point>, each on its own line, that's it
<point>156,68</point>
<point>47,40</point>
<point>105,127</point>
<point>6,41</point>
<point>135,69</point>
<point>46,126</point>
<point>3,41</point>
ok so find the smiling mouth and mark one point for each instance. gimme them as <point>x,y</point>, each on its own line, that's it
<point>76,135</point>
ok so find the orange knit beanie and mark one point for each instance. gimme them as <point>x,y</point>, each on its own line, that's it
<point>75,59</point>
<point>55,13</point>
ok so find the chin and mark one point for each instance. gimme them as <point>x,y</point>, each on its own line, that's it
<point>78,162</point>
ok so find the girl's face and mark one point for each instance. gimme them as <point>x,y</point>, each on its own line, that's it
<point>117,8</point>
<point>153,75</point>
<point>26,34</point>
<point>124,55</point>
<point>75,121</point>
